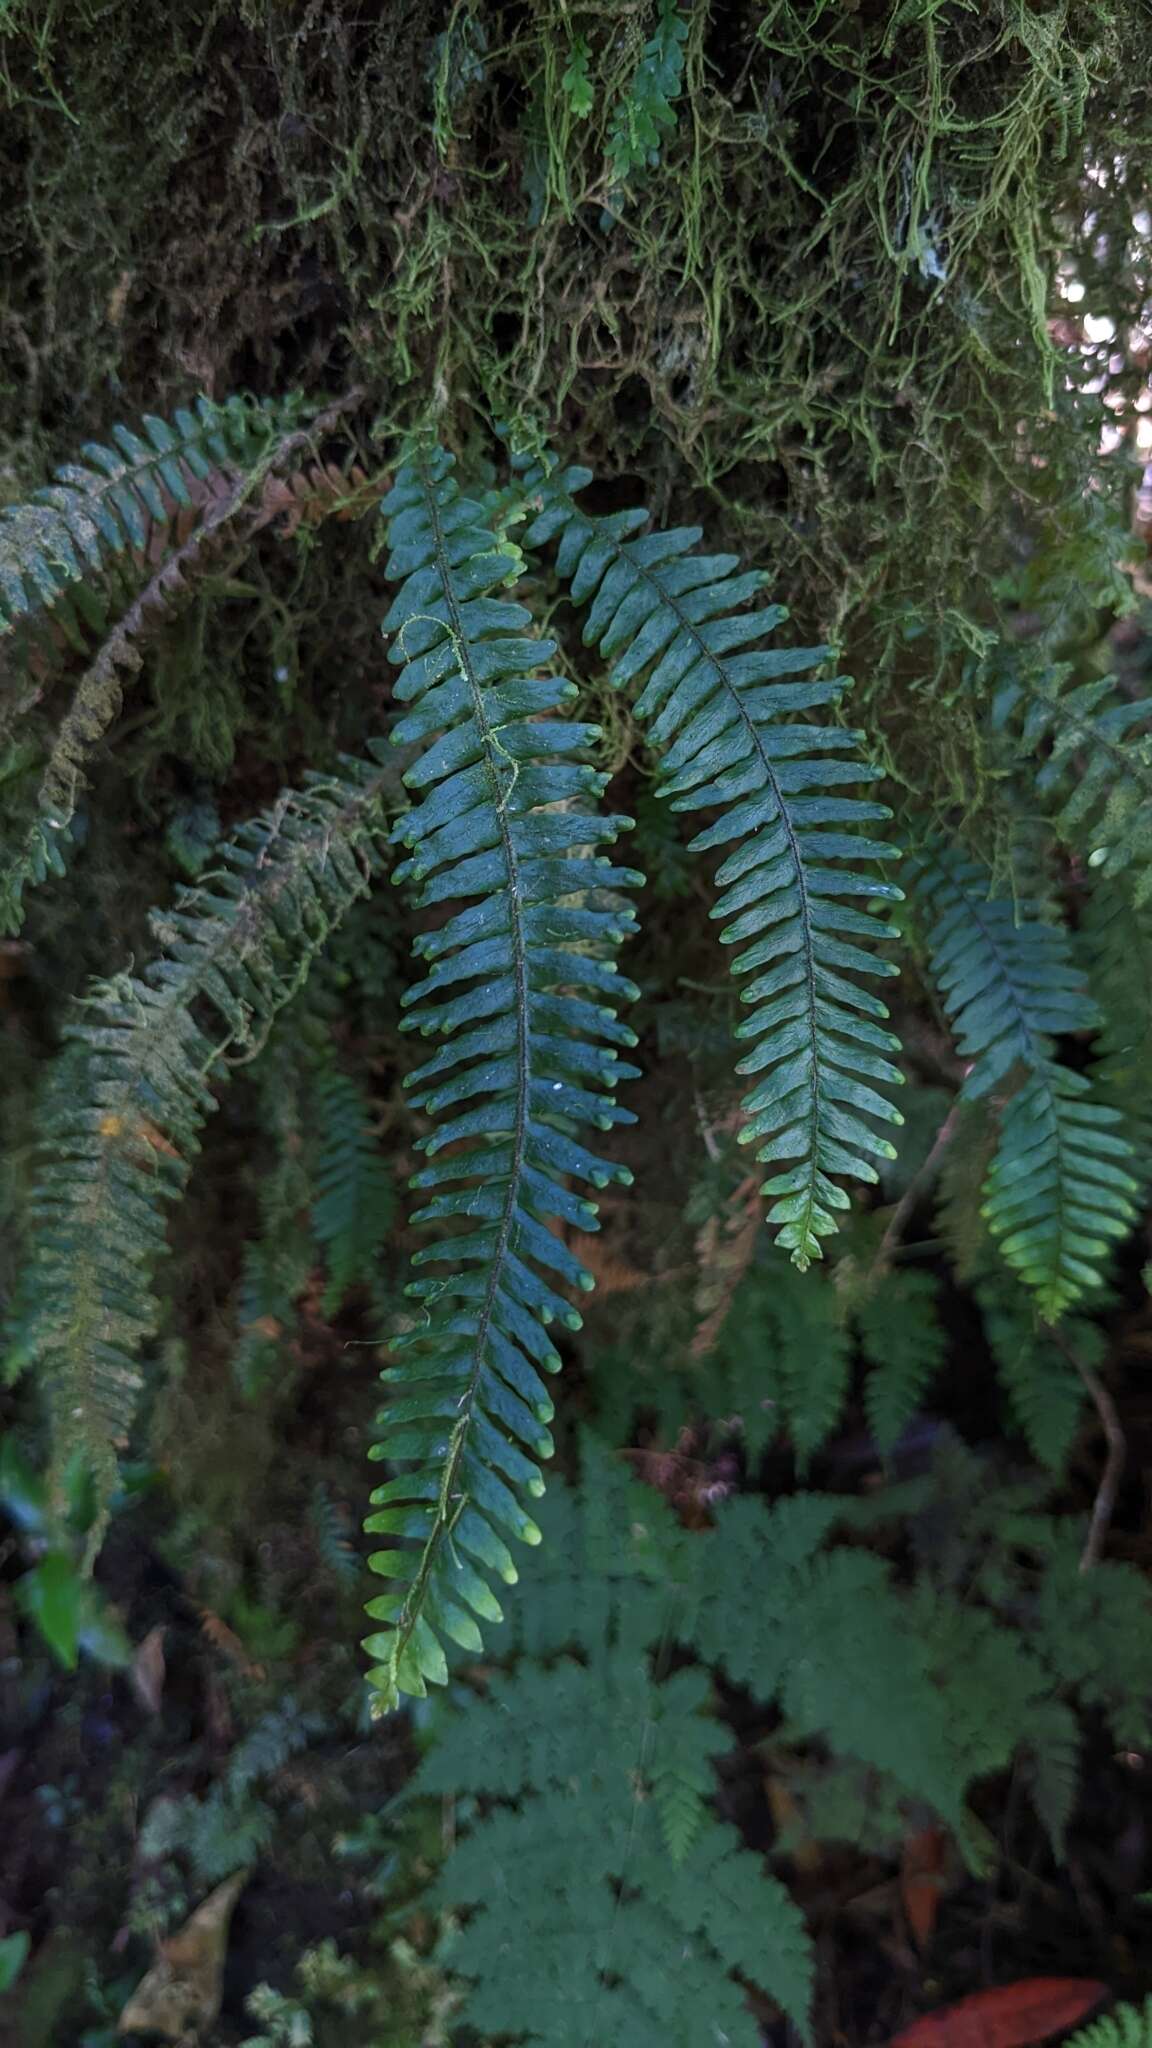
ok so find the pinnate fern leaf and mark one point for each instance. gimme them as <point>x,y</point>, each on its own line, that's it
<point>1130,2026</point>
<point>68,534</point>
<point>723,707</point>
<point>1059,1191</point>
<point>521,991</point>
<point>1093,754</point>
<point>355,1194</point>
<point>118,1147</point>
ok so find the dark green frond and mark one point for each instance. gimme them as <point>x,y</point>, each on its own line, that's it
<point>106,552</point>
<point>119,1149</point>
<point>1060,1193</point>
<point>1059,1190</point>
<point>1130,2026</point>
<point>521,986</point>
<point>1089,751</point>
<point>1007,976</point>
<point>723,709</point>
<point>903,1340</point>
<point>1116,947</point>
<point>108,504</point>
<point>355,1189</point>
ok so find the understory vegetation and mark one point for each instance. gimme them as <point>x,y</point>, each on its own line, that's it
<point>576,1001</point>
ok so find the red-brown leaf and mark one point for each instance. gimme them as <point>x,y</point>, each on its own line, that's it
<point>1012,2016</point>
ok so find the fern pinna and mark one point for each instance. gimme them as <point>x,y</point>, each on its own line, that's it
<point>725,720</point>
<point>1059,1191</point>
<point>504,824</point>
<point>119,1140</point>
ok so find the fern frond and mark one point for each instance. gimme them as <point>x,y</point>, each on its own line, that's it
<point>1090,751</point>
<point>1059,1190</point>
<point>781,1363</point>
<point>154,518</point>
<point>1116,946</point>
<point>1130,2026</point>
<point>726,720</point>
<point>646,112</point>
<point>1059,1193</point>
<point>119,1150</point>
<point>1007,977</point>
<point>67,535</point>
<point>355,1195</point>
<point>503,820</point>
<point>615,1940</point>
<point>903,1342</point>
<point>1045,1392</point>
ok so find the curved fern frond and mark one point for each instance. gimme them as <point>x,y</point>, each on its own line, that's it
<point>1060,1194</point>
<point>1130,2026</point>
<point>1116,944</point>
<point>151,521</point>
<point>355,1191</point>
<point>1090,751</point>
<point>1059,1190</point>
<point>502,820</point>
<point>1007,977</point>
<point>67,536</point>
<point>119,1148</point>
<point>726,720</point>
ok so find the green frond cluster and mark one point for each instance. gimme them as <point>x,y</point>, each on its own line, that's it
<point>646,112</point>
<point>118,1149</point>
<point>730,742</point>
<point>1089,751</point>
<point>1044,1389</point>
<point>521,986</point>
<point>1059,1190</point>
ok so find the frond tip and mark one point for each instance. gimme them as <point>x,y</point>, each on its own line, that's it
<point>734,746</point>
<point>503,821</point>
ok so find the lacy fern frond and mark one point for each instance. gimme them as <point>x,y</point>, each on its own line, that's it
<point>1059,1191</point>
<point>1045,1391</point>
<point>522,991</point>
<point>140,518</point>
<point>355,1196</point>
<point>119,1149</point>
<point>903,1342</point>
<point>731,742</point>
<point>1090,751</point>
<point>781,1363</point>
<point>63,541</point>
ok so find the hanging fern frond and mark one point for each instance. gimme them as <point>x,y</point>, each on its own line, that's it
<point>1089,751</point>
<point>153,519</point>
<point>118,1150</point>
<point>1060,1193</point>
<point>503,824</point>
<point>1116,946</point>
<point>903,1341</point>
<point>1059,1190</point>
<point>55,548</point>
<point>726,723</point>
<point>1045,1391</point>
<point>1007,977</point>
<point>355,1191</point>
